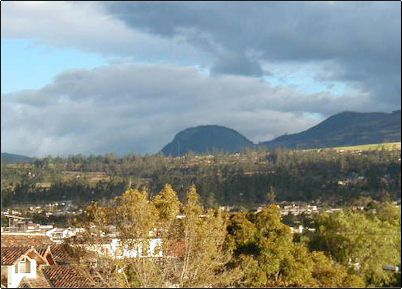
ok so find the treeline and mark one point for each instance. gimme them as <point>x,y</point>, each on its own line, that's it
<point>348,249</point>
<point>78,191</point>
<point>222,179</point>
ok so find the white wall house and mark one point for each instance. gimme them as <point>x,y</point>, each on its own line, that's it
<point>139,248</point>
<point>25,267</point>
<point>58,234</point>
<point>17,264</point>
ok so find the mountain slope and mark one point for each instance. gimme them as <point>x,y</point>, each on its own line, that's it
<point>13,158</point>
<point>206,139</point>
<point>345,129</point>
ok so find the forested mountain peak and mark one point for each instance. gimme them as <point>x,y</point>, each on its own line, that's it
<point>344,129</point>
<point>206,138</point>
<point>14,158</point>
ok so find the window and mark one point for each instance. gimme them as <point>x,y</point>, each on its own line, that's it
<point>23,266</point>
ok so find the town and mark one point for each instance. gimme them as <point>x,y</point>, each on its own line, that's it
<point>38,255</point>
<point>212,144</point>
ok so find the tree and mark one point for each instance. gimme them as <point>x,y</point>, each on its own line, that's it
<point>271,195</point>
<point>330,274</point>
<point>360,241</point>
<point>205,257</point>
<point>168,207</point>
<point>135,216</point>
<point>265,251</point>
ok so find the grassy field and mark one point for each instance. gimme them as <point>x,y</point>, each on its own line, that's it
<point>92,177</point>
<point>366,147</point>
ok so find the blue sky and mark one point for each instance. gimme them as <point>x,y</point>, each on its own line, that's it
<point>29,65</point>
<point>125,77</point>
<point>26,65</point>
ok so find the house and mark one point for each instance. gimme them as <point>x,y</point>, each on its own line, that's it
<point>18,263</point>
<point>58,234</point>
<point>42,244</point>
<point>26,267</point>
<point>34,261</point>
<point>138,248</point>
<point>16,223</point>
<point>298,230</point>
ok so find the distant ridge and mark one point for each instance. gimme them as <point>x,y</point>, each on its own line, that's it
<point>13,158</point>
<point>345,129</point>
<point>342,129</point>
<point>206,139</point>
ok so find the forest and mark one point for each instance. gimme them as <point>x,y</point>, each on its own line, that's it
<point>243,179</point>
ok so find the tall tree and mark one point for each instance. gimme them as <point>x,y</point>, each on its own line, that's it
<point>204,258</point>
<point>365,242</point>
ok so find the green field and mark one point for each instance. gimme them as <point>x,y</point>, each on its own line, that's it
<point>366,147</point>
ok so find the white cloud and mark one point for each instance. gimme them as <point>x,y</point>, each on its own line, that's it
<point>139,108</point>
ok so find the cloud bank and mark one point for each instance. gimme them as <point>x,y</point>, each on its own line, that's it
<point>180,64</point>
<point>139,108</point>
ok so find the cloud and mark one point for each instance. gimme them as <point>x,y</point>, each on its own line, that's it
<point>237,65</point>
<point>86,26</point>
<point>362,40</point>
<point>356,43</point>
<point>139,108</point>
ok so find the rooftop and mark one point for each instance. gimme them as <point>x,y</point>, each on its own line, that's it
<point>14,240</point>
<point>67,276</point>
<point>9,255</point>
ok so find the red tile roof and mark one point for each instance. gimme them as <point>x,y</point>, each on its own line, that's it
<point>38,282</point>
<point>60,254</point>
<point>42,250</point>
<point>46,253</point>
<point>67,276</point>
<point>176,248</point>
<point>9,255</point>
<point>8,240</point>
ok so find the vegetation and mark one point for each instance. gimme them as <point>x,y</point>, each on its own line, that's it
<point>204,258</point>
<point>242,179</point>
<point>378,146</point>
<point>365,240</point>
<point>265,249</point>
<point>349,249</point>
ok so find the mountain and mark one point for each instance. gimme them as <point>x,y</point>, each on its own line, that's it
<point>12,158</point>
<point>206,139</point>
<point>345,129</point>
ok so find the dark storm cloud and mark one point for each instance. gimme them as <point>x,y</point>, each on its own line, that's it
<point>362,39</point>
<point>238,65</point>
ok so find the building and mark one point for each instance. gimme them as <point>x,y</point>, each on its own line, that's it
<point>58,234</point>
<point>18,263</point>
<point>34,261</point>
<point>138,248</point>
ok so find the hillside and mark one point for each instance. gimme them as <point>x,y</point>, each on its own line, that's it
<point>206,138</point>
<point>345,129</point>
<point>13,158</point>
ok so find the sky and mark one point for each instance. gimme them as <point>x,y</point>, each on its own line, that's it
<point>125,77</point>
